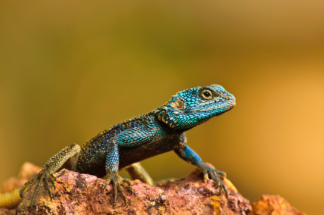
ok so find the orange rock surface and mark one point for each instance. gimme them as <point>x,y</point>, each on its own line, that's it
<point>273,205</point>
<point>82,194</point>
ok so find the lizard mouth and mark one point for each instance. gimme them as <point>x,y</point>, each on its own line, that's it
<point>225,106</point>
<point>228,105</point>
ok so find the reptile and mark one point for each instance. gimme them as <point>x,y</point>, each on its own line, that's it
<point>136,139</point>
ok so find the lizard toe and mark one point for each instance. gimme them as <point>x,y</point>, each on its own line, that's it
<point>221,173</point>
<point>117,183</point>
<point>210,172</point>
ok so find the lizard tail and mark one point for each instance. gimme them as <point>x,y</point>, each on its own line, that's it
<point>10,200</point>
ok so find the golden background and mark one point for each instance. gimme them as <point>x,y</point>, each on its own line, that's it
<point>69,69</point>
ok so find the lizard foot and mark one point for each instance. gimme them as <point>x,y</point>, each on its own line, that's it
<point>117,181</point>
<point>43,175</point>
<point>210,172</point>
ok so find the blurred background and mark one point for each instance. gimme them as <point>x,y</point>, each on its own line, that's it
<point>70,69</point>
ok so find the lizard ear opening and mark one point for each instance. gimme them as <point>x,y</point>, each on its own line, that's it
<point>178,104</point>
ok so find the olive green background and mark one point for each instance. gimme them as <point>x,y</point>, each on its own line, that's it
<point>69,69</point>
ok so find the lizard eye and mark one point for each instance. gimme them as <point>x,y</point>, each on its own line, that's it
<point>206,94</point>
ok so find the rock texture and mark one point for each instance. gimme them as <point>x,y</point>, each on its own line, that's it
<point>273,205</point>
<point>82,194</point>
<point>26,173</point>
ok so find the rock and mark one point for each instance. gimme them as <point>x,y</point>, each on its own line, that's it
<point>273,205</point>
<point>82,194</point>
<point>5,211</point>
<point>191,195</point>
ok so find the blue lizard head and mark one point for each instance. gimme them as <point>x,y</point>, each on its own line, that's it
<point>194,106</point>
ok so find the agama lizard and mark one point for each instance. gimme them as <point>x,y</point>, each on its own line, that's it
<point>136,139</point>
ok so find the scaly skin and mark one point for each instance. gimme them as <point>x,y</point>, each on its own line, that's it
<point>136,139</point>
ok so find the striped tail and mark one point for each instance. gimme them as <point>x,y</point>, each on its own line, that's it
<point>10,200</point>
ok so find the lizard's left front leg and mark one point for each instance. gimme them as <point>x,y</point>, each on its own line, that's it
<point>187,154</point>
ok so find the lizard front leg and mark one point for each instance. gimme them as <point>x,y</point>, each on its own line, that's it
<point>112,164</point>
<point>187,154</point>
<point>67,157</point>
<point>130,138</point>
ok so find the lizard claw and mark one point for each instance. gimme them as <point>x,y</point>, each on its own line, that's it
<point>210,172</point>
<point>223,174</point>
<point>117,182</point>
<point>43,175</point>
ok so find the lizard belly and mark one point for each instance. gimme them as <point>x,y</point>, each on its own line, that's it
<point>92,162</point>
<point>128,156</point>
